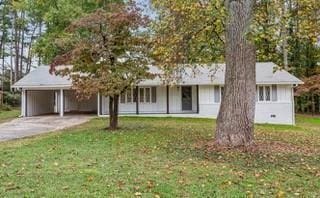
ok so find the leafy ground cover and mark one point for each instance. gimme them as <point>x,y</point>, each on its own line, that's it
<point>161,157</point>
<point>7,115</point>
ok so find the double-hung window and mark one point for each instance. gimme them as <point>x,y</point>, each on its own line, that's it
<point>218,93</point>
<point>148,95</point>
<point>267,93</point>
<point>128,96</point>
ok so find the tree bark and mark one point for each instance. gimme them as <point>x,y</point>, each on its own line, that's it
<point>22,35</point>
<point>113,112</point>
<point>284,33</point>
<point>235,123</point>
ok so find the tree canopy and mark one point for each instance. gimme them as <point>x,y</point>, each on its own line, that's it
<point>108,53</point>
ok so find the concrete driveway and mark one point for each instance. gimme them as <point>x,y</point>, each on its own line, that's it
<point>25,127</point>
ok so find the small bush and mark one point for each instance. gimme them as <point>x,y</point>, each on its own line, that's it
<point>5,107</point>
<point>12,99</point>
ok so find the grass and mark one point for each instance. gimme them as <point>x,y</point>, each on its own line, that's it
<point>8,115</point>
<point>158,157</point>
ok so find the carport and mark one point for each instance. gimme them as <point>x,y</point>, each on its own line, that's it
<point>44,94</point>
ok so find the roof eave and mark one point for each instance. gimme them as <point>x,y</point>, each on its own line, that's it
<point>42,87</point>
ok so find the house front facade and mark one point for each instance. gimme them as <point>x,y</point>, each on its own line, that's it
<point>197,94</point>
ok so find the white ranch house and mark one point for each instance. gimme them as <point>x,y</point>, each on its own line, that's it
<point>198,94</point>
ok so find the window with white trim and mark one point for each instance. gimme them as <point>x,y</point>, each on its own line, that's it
<point>148,95</point>
<point>267,93</point>
<point>128,96</point>
<point>218,93</point>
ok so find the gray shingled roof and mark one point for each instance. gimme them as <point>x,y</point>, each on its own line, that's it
<point>41,78</point>
<point>267,73</point>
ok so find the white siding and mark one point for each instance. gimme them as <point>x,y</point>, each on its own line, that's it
<point>159,107</point>
<point>279,112</point>
<point>282,111</point>
<point>207,106</point>
<point>175,99</point>
<point>284,93</point>
<point>71,104</point>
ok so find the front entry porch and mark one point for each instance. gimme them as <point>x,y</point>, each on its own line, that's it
<point>155,100</point>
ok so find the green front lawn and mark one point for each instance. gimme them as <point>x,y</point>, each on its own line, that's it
<point>160,157</point>
<point>8,115</point>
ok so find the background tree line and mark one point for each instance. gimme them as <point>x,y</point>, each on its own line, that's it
<point>28,29</point>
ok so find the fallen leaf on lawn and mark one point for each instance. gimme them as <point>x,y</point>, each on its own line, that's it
<point>11,186</point>
<point>90,178</point>
<point>249,194</point>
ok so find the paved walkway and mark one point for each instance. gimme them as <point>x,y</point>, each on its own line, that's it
<point>25,127</point>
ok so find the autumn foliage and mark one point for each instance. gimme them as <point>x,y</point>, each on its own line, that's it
<point>108,53</point>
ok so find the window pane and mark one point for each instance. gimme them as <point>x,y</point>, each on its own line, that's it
<point>129,95</point>
<point>154,94</point>
<point>123,98</point>
<point>148,94</point>
<point>268,93</point>
<point>141,94</point>
<point>274,93</point>
<point>135,95</point>
<point>216,94</point>
<point>261,94</point>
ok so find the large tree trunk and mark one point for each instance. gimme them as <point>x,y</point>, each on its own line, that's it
<point>113,112</point>
<point>235,123</point>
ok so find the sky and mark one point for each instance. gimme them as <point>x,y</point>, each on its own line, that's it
<point>146,5</point>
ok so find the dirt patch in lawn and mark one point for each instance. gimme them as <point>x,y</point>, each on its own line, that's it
<point>259,146</point>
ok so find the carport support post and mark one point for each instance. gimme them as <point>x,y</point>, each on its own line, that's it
<point>61,103</point>
<point>99,106</point>
<point>23,103</point>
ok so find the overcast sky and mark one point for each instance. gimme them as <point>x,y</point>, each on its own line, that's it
<point>146,6</point>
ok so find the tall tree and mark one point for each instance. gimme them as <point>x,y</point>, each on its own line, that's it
<point>235,123</point>
<point>108,51</point>
<point>207,32</point>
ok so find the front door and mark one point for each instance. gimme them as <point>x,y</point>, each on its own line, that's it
<point>186,95</point>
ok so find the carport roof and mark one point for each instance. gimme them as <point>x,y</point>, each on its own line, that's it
<point>41,78</point>
<point>266,73</point>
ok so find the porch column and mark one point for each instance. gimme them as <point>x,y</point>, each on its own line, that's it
<point>198,99</point>
<point>168,108</point>
<point>24,103</point>
<point>137,100</point>
<point>99,104</point>
<point>61,103</point>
